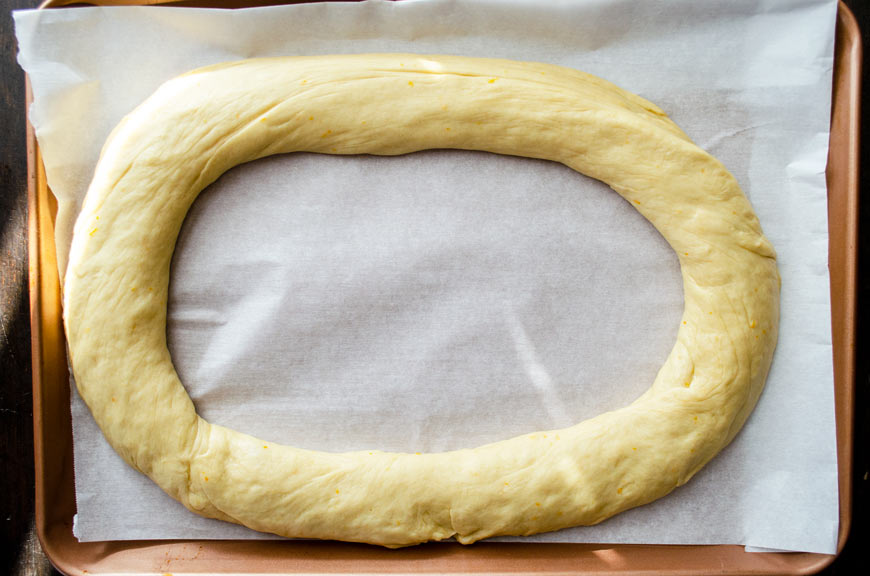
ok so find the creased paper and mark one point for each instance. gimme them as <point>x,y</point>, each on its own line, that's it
<point>447,299</point>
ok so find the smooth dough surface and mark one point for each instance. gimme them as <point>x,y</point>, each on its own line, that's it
<point>199,125</point>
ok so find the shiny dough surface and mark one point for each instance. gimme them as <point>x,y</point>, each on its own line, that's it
<point>203,123</point>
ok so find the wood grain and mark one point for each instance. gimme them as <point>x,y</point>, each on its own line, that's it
<point>21,553</point>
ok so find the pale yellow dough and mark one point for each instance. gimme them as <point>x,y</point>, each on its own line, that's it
<point>199,125</point>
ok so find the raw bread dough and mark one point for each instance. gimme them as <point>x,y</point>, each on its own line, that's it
<point>199,125</point>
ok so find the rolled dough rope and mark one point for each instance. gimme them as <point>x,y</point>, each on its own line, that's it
<point>199,125</point>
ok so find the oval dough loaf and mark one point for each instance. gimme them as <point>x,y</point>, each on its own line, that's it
<point>199,125</point>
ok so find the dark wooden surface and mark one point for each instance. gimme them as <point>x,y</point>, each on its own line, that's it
<point>20,553</point>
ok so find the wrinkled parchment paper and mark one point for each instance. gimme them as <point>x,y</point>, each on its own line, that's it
<point>447,299</point>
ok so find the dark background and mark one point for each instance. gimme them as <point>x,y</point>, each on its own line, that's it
<point>20,553</point>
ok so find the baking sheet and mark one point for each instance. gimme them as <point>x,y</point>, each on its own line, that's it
<point>466,296</point>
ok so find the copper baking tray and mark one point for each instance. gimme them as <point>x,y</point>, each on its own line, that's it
<point>55,497</point>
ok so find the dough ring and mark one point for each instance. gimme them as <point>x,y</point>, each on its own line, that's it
<point>199,125</point>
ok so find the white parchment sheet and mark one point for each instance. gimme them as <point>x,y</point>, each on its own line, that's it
<point>447,299</point>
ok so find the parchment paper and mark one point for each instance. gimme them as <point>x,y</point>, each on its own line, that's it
<point>447,299</point>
